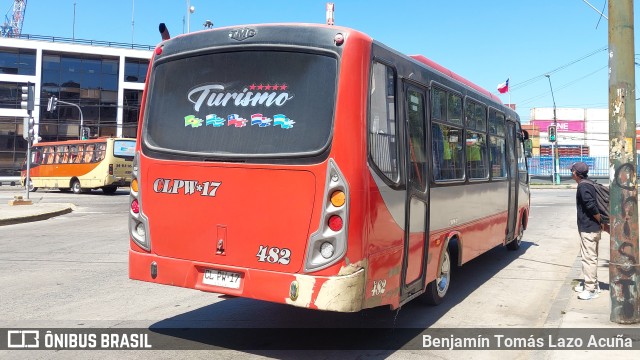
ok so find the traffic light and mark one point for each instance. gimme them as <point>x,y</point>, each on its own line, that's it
<point>53,103</point>
<point>552,133</point>
<point>28,96</point>
<point>85,133</point>
<point>28,133</point>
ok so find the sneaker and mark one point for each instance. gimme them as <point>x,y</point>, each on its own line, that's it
<point>588,295</point>
<point>580,288</point>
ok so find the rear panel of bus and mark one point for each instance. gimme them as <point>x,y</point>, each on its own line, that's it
<point>249,172</point>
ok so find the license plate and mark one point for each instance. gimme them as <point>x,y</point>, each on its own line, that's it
<point>221,278</point>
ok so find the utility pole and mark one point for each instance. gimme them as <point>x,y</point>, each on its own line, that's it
<point>624,270</point>
<point>554,149</point>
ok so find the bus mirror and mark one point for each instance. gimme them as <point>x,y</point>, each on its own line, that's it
<point>528,147</point>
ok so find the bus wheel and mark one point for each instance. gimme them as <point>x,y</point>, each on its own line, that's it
<point>109,190</point>
<point>515,244</point>
<point>437,289</point>
<point>75,186</point>
<point>31,187</point>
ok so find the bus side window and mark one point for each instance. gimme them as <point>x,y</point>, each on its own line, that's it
<point>88,153</point>
<point>65,154</point>
<point>73,154</point>
<point>36,156</point>
<point>101,152</point>
<point>447,152</point>
<point>476,145</point>
<point>80,154</point>
<point>59,154</point>
<point>382,132</point>
<point>45,154</point>
<point>50,155</point>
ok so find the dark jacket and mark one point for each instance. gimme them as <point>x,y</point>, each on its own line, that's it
<point>587,208</point>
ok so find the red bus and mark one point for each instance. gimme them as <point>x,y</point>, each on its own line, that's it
<point>314,166</point>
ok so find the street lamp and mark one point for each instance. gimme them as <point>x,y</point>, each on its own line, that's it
<point>53,103</point>
<point>556,176</point>
<point>190,10</point>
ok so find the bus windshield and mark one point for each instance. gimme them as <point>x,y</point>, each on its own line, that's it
<point>243,103</point>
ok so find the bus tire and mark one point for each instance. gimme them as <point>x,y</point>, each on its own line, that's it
<point>109,190</point>
<point>31,187</point>
<point>515,243</point>
<point>437,289</point>
<point>75,186</point>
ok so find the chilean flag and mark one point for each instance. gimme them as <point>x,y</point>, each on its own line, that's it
<point>504,87</point>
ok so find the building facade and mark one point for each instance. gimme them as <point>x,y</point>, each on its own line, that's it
<point>580,132</point>
<point>581,135</point>
<point>104,79</point>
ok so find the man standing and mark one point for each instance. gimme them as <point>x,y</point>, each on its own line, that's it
<point>590,231</point>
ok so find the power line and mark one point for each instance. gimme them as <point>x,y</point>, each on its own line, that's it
<point>542,76</point>
<point>539,96</point>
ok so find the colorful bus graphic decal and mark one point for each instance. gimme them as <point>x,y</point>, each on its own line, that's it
<point>262,121</point>
<point>191,120</point>
<point>214,120</point>
<point>238,121</point>
<point>235,119</point>
<point>283,121</point>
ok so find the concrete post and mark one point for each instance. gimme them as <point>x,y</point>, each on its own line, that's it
<point>624,270</point>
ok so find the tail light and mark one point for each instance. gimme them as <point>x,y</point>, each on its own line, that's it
<point>138,223</point>
<point>329,244</point>
<point>110,169</point>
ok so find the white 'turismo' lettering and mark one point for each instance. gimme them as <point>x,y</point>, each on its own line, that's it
<point>213,95</point>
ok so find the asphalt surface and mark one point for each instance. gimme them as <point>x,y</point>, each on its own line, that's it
<point>567,310</point>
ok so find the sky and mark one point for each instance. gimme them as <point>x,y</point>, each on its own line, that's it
<point>483,41</point>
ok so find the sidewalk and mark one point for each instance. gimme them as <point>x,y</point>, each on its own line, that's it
<point>37,211</point>
<point>593,313</point>
<point>569,312</point>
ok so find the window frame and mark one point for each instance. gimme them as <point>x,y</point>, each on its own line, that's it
<point>393,138</point>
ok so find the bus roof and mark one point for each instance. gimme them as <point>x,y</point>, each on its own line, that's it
<point>73,142</point>
<point>432,64</point>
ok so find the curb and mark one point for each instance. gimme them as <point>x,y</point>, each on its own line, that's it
<point>564,296</point>
<point>36,217</point>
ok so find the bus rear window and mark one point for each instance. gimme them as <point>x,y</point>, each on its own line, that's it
<point>124,148</point>
<point>245,103</point>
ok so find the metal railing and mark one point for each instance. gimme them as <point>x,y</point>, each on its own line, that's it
<point>85,42</point>
<point>543,165</point>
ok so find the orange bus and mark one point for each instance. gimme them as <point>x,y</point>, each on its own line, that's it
<point>81,165</point>
<point>314,166</point>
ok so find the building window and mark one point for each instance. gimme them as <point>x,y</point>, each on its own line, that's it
<point>18,61</point>
<point>12,147</point>
<point>135,70</point>
<point>86,80</point>
<point>10,95</point>
<point>130,113</point>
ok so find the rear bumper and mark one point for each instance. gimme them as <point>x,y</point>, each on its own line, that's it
<point>118,181</point>
<point>342,293</point>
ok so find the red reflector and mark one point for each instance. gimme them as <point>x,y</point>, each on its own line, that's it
<point>158,50</point>
<point>135,207</point>
<point>335,223</point>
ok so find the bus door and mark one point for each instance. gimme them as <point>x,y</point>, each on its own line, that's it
<point>416,206</point>
<point>513,180</point>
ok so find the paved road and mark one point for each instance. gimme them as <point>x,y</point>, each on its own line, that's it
<point>71,271</point>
